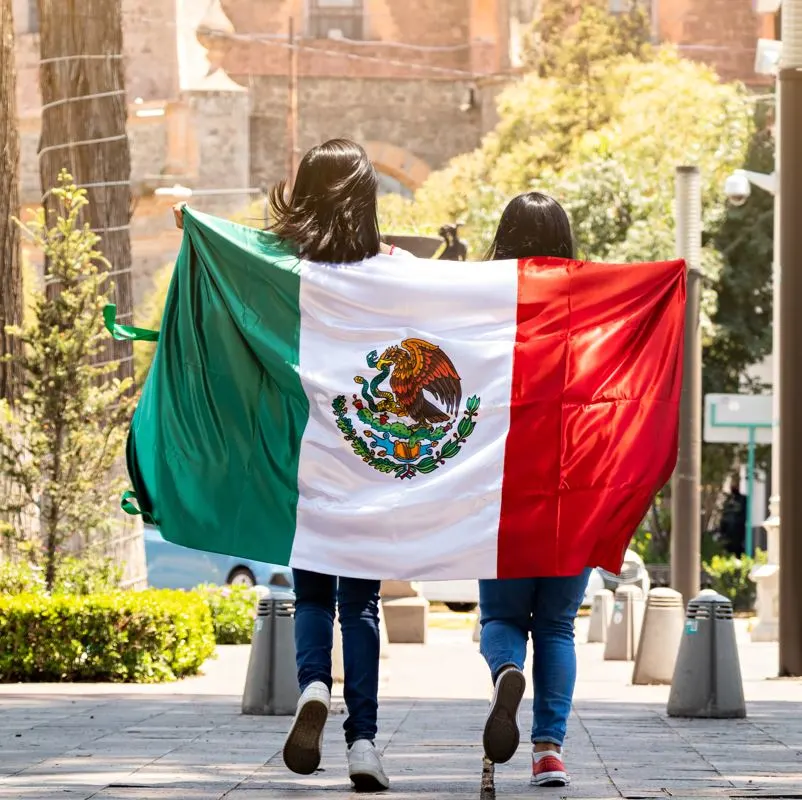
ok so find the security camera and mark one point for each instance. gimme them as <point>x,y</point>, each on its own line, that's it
<point>737,188</point>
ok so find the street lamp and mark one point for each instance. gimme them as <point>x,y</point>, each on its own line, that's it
<point>180,192</point>
<point>738,187</point>
<point>686,535</point>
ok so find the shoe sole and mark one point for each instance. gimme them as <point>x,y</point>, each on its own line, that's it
<point>502,736</point>
<point>364,782</point>
<point>550,780</point>
<point>302,748</point>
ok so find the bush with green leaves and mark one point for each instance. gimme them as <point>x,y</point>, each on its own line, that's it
<point>233,610</point>
<point>20,577</point>
<point>79,575</point>
<point>131,637</point>
<point>729,576</point>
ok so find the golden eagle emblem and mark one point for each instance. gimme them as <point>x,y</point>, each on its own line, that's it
<point>405,432</point>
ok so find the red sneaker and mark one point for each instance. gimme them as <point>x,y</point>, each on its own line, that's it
<point>548,769</point>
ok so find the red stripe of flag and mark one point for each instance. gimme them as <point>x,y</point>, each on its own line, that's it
<point>597,376</point>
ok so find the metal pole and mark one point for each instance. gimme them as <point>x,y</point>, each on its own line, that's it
<point>776,280</point>
<point>790,184</point>
<point>292,110</point>
<point>265,192</point>
<point>686,534</point>
<point>655,22</point>
<point>750,492</point>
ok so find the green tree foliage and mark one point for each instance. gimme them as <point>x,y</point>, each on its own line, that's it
<point>59,443</point>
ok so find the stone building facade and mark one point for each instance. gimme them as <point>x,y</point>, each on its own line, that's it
<point>722,33</point>
<point>415,79</point>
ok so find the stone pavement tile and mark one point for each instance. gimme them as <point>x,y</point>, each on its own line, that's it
<point>180,793</point>
<point>38,793</point>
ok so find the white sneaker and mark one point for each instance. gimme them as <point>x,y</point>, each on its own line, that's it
<point>365,767</point>
<point>302,750</point>
<point>501,735</point>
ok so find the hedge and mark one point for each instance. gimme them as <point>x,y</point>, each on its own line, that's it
<point>233,612</point>
<point>731,576</point>
<point>137,637</point>
<point>84,575</point>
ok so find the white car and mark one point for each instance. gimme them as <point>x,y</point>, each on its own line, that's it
<point>457,595</point>
<point>633,572</point>
<point>464,595</point>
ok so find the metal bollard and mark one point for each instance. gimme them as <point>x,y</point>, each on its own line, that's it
<point>601,613</point>
<point>625,625</point>
<point>707,677</point>
<point>271,686</point>
<point>660,638</point>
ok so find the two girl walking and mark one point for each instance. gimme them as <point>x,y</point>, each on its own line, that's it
<point>331,217</point>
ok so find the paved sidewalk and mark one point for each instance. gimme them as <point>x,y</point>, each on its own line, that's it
<point>189,741</point>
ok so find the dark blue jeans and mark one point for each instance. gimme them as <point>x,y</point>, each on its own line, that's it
<point>358,604</point>
<point>546,608</point>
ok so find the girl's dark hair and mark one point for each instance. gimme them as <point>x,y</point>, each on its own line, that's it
<point>332,215</point>
<point>533,224</point>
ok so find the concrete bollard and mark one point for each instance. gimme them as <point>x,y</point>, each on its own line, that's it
<point>707,676</point>
<point>601,612</point>
<point>271,685</point>
<point>624,630</point>
<point>660,636</point>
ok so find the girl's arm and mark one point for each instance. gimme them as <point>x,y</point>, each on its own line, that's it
<point>178,213</point>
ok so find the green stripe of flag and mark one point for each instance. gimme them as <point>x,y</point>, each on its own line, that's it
<point>209,437</point>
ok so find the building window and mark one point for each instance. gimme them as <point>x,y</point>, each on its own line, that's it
<point>336,19</point>
<point>33,16</point>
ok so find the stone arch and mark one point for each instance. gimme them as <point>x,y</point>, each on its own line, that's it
<point>398,163</point>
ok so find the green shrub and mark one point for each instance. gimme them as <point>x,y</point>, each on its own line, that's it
<point>729,576</point>
<point>20,577</point>
<point>233,611</point>
<point>85,575</point>
<point>136,637</point>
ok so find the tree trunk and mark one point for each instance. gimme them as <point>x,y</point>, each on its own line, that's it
<point>10,273</point>
<point>81,44</point>
<point>82,54</point>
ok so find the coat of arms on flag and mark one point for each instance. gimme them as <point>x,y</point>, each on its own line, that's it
<point>404,432</point>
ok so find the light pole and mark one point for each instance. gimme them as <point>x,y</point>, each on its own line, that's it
<point>766,576</point>
<point>790,390</point>
<point>180,192</point>
<point>686,533</point>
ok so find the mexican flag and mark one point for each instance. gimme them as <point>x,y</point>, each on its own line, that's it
<point>407,419</point>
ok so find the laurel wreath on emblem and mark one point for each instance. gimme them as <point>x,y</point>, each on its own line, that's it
<point>391,445</point>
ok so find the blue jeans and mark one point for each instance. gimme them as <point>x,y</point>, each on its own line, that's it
<point>358,603</point>
<point>546,608</point>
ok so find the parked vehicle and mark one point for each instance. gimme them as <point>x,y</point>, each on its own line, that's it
<point>457,595</point>
<point>171,566</point>
<point>464,595</point>
<point>633,572</point>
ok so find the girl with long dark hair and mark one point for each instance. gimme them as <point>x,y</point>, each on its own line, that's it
<point>511,610</point>
<point>331,217</point>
